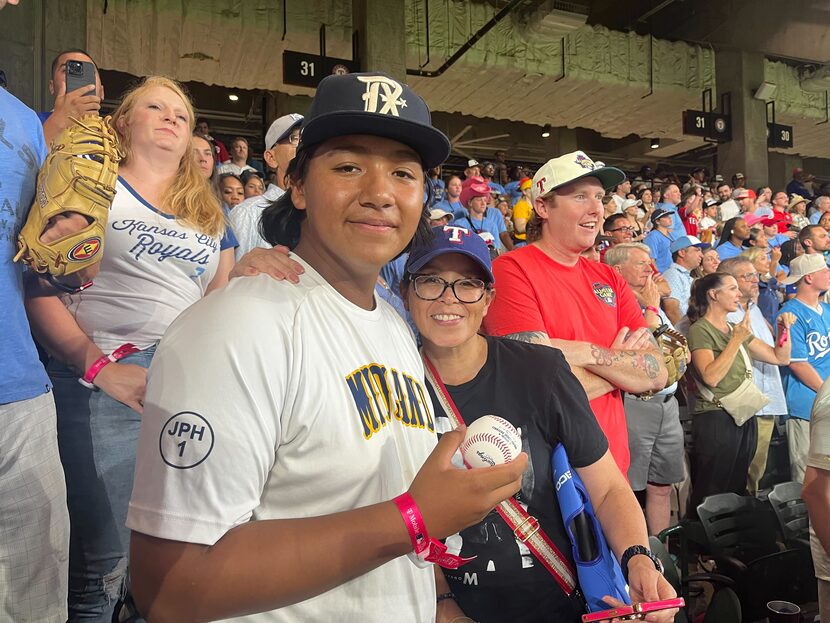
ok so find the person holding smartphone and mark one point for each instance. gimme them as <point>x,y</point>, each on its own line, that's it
<point>71,103</point>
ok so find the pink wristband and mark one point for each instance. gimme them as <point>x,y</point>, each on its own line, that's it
<point>104,360</point>
<point>426,551</point>
<point>652,309</point>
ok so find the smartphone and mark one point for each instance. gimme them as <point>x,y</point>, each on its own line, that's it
<point>80,74</point>
<point>634,612</point>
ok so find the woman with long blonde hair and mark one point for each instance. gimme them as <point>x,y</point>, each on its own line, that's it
<point>166,246</point>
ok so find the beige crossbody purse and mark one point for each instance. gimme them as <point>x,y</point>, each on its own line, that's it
<point>743,403</point>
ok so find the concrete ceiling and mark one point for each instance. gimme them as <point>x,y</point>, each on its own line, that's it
<point>792,29</point>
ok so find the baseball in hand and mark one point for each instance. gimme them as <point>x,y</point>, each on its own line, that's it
<point>490,440</point>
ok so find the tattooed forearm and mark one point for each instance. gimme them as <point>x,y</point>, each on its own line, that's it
<point>652,366</point>
<point>638,360</point>
<point>531,337</point>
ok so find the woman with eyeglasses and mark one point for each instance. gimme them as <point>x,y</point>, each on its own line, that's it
<point>448,287</point>
<point>722,450</point>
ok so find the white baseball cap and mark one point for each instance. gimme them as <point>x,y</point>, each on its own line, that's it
<point>630,203</point>
<point>472,163</point>
<point>437,213</point>
<point>805,265</point>
<point>570,167</point>
<point>281,129</point>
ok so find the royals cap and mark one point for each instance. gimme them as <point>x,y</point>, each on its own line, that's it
<point>377,105</point>
<point>452,239</point>
<point>281,129</point>
<point>569,168</point>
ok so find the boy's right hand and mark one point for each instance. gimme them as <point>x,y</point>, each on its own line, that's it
<point>451,499</point>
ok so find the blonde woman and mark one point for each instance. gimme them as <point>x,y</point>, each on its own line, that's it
<point>166,247</point>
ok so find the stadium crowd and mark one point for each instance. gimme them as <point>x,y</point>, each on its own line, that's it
<point>252,398</point>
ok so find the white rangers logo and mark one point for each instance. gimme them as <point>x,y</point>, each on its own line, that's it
<point>382,89</point>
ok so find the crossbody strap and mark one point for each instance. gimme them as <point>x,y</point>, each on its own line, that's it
<point>525,527</point>
<point>707,393</point>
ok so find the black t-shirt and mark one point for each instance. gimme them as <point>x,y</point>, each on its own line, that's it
<point>533,388</point>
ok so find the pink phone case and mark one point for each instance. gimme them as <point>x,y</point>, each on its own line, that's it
<point>634,611</point>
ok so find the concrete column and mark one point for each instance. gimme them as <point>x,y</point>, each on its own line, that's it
<point>740,73</point>
<point>381,26</point>
<point>27,52</point>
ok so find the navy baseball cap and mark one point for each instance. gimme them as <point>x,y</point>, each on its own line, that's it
<point>377,105</point>
<point>660,213</point>
<point>452,239</point>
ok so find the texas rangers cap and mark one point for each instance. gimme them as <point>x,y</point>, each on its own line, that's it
<point>452,239</point>
<point>377,105</point>
<point>281,129</point>
<point>569,168</point>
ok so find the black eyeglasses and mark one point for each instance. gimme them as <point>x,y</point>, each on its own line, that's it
<point>628,229</point>
<point>432,288</point>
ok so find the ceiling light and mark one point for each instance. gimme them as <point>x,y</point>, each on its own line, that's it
<point>655,143</point>
<point>765,92</point>
<point>233,97</point>
<point>546,131</point>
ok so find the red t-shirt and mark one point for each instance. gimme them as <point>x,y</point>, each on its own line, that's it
<point>691,225</point>
<point>586,302</point>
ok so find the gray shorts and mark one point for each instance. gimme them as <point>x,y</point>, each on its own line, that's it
<point>34,521</point>
<point>655,439</point>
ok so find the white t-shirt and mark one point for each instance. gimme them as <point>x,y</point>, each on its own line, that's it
<point>154,267</point>
<point>245,217</point>
<point>819,458</point>
<point>268,400</point>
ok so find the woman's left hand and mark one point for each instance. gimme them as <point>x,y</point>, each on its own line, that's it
<point>786,320</point>
<point>274,262</point>
<point>646,583</point>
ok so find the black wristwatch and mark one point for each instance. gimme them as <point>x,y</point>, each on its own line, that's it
<point>633,551</point>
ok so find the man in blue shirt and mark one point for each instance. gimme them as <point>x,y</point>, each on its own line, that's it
<point>810,358</point>
<point>686,255</point>
<point>34,521</point>
<point>659,240</point>
<point>672,199</point>
<point>735,231</point>
<point>797,185</point>
<point>488,171</point>
<point>821,204</point>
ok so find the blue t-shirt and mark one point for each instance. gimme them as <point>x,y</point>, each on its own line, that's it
<point>496,187</point>
<point>22,150</point>
<point>513,191</point>
<point>438,188</point>
<point>44,115</point>
<point>660,245</point>
<point>811,343</point>
<point>493,223</point>
<point>455,208</point>
<point>727,250</point>
<point>678,229</point>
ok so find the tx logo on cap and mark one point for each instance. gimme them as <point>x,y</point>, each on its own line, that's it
<point>456,232</point>
<point>385,91</point>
